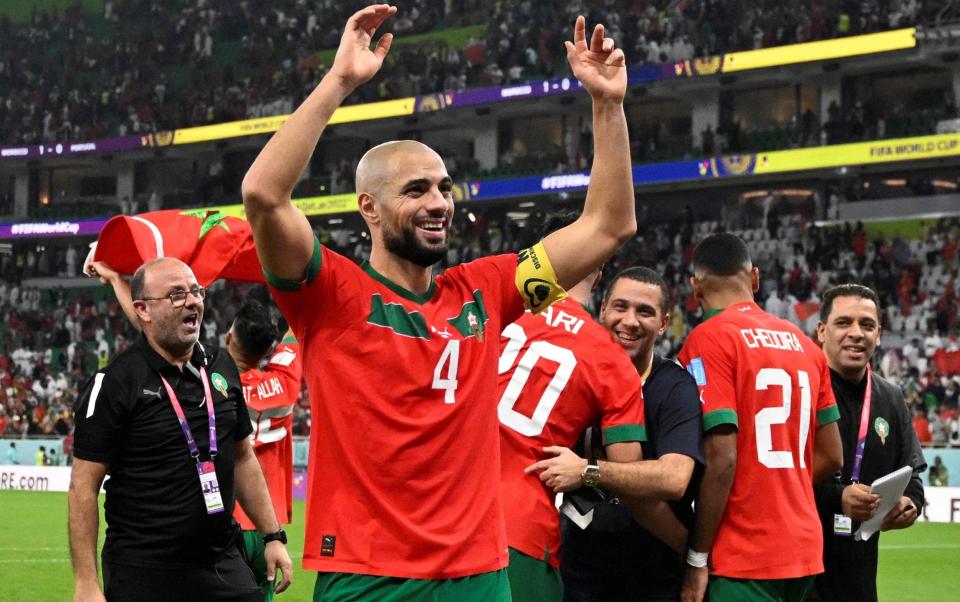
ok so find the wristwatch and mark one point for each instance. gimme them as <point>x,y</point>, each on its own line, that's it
<point>590,475</point>
<point>280,536</point>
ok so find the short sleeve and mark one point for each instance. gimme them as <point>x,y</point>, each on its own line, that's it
<point>622,410</point>
<point>827,410</point>
<point>680,420</point>
<point>305,299</point>
<point>286,365</point>
<point>709,363</point>
<point>99,414</point>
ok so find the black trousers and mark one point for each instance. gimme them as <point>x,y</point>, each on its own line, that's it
<point>228,579</point>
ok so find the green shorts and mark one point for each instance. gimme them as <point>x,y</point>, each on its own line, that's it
<point>724,589</point>
<point>533,580</point>
<point>253,542</point>
<point>485,587</point>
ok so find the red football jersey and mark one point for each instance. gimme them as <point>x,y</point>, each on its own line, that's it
<point>271,394</point>
<point>404,450</point>
<point>560,372</point>
<point>765,376</point>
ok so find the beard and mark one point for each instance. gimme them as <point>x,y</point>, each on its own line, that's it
<point>406,245</point>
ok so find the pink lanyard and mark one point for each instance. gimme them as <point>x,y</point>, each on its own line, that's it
<point>211,416</point>
<point>864,425</point>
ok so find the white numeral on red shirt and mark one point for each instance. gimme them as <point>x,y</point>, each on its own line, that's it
<point>451,358</point>
<point>532,426</point>
<point>767,417</point>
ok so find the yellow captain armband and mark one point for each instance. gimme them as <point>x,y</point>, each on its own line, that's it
<point>536,280</point>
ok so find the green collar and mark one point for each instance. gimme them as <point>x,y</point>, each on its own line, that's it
<point>406,294</point>
<point>709,314</point>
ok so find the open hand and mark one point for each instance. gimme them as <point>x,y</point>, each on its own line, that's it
<point>355,63</point>
<point>601,67</point>
<point>562,471</point>
<point>277,558</point>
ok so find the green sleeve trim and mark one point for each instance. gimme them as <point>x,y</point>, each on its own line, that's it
<point>623,433</point>
<point>290,340</point>
<point>827,415</point>
<point>717,417</point>
<point>289,285</point>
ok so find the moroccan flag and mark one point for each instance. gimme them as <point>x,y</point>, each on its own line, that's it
<point>214,245</point>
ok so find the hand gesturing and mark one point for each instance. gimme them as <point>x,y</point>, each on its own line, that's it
<point>601,68</point>
<point>355,63</point>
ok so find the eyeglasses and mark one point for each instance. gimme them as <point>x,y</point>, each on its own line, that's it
<point>179,298</point>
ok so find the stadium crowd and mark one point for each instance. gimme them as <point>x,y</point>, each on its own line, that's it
<point>52,340</point>
<point>73,74</point>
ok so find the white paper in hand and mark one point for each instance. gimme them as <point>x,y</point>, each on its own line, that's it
<point>890,488</point>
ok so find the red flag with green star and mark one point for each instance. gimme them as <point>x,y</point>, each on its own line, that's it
<point>214,245</point>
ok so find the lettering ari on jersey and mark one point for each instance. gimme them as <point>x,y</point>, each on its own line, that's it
<point>560,373</point>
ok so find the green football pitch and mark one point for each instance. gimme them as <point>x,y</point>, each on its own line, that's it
<point>919,564</point>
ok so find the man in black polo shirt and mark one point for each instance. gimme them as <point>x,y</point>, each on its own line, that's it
<point>147,420</point>
<point>615,559</point>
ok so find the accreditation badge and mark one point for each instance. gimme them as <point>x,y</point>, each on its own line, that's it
<point>210,487</point>
<point>842,525</point>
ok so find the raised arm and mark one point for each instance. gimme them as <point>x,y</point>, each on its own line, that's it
<point>281,232</point>
<point>609,217</point>
<point>121,288</point>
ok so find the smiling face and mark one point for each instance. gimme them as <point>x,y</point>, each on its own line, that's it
<point>406,197</point>
<point>175,329</point>
<point>634,316</point>
<point>850,336</point>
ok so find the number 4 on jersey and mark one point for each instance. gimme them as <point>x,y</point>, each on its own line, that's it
<point>449,359</point>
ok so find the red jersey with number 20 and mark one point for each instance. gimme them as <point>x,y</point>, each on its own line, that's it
<point>404,451</point>
<point>271,395</point>
<point>764,376</point>
<point>560,373</point>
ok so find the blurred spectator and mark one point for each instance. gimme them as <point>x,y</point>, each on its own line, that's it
<point>938,476</point>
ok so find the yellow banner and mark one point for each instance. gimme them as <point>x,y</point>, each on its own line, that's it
<point>317,205</point>
<point>898,39</point>
<point>268,125</point>
<point>859,153</point>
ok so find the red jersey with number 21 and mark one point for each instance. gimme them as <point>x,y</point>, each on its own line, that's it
<point>763,375</point>
<point>560,373</point>
<point>271,395</point>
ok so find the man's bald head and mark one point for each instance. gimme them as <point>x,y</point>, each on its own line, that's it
<point>381,164</point>
<point>138,283</point>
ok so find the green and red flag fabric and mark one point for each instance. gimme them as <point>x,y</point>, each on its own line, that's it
<point>214,245</point>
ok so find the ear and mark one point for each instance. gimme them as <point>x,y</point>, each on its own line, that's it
<point>368,208</point>
<point>821,333</point>
<point>143,313</point>
<point>664,322</point>
<point>755,279</point>
<point>695,285</point>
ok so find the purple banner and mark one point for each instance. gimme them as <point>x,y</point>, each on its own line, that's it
<point>45,229</point>
<point>100,145</point>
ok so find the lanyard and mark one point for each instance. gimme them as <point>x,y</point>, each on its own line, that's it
<point>864,424</point>
<point>211,416</point>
